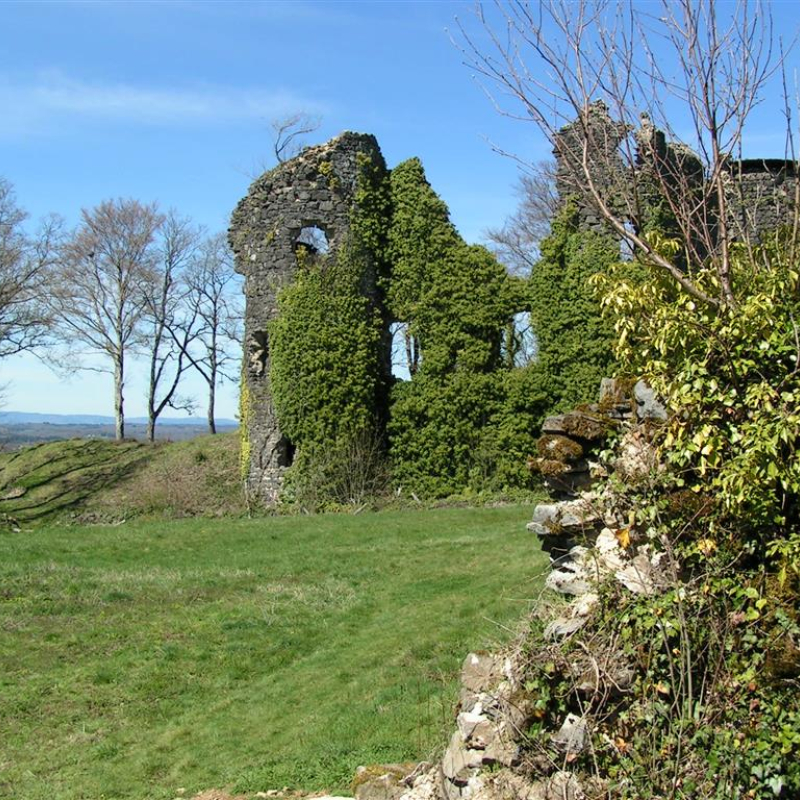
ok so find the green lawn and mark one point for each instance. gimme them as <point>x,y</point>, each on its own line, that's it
<point>248,654</point>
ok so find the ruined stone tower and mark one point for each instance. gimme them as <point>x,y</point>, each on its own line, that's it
<point>762,194</point>
<point>306,202</point>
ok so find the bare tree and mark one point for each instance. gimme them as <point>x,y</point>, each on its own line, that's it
<point>288,133</point>
<point>516,244</point>
<point>168,327</point>
<point>214,297</point>
<point>25,265</point>
<point>613,67</point>
<point>97,298</point>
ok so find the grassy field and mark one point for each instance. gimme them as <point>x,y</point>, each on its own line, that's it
<point>248,654</point>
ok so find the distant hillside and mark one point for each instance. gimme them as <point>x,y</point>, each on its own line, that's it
<point>28,418</point>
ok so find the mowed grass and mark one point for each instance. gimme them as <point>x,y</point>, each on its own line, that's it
<point>248,654</point>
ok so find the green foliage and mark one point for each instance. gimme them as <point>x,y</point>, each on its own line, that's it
<point>324,353</point>
<point>705,711</point>
<point>456,300</point>
<point>420,235</point>
<point>730,378</point>
<point>509,440</point>
<point>326,369</point>
<point>574,341</point>
<point>713,711</point>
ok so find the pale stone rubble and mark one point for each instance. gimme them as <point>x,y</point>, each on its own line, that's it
<point>588,543</point>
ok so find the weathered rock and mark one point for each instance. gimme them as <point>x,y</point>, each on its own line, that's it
<point>559,448</point>
<point>586,427</point>
<point>459,760</point>
<point>569,579</point>
<point>637,458</point>
<point>476,729</point>
<point>482,671</point>
<point>382,781</point>
<point>568,516</point>
<point>573,736</point>
<point>562,627</point>
<point>563,786</point>
<point>648,406</point>
<point>643,575</point>
<point>569,483</point>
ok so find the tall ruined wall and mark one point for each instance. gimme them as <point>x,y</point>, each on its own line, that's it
<point>761,193</point>
<point>313,193</point>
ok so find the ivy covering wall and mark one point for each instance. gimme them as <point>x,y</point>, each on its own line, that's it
<point>574,340</point>
<point>466,417</point>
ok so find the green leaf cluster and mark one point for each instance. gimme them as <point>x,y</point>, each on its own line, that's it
<point>456,300</point>
<point>731,379</point>
<point>324,344</point>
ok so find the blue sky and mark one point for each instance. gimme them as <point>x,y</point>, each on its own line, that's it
<point>171,101</point>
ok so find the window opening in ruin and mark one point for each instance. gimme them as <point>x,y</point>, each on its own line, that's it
<point>518,346</point>
<point>625,246</point>
<point>286,451</point>
<point>313,240</point>
<point>257,353</point>
<point>406,356</point>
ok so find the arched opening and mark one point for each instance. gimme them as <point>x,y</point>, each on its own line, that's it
<point>313,241</point>
<point>286,451</point>
<point>405,351</point>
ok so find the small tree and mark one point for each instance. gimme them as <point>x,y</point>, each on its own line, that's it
<point>288,133</point>
<point>98,300</point>
<point>169,321</point>
<point>214,310</point>
<point>517,242</point>
<point>25,266</point>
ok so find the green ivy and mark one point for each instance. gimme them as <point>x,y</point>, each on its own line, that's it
<point>457,300</point>
<point>328,375</point>
<point>575,342</point>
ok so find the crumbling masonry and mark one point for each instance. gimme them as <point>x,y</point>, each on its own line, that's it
<point>306,202</point>
<point>310,200</point>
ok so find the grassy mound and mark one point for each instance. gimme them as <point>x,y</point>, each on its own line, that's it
<point>200,477</point>
<point>252,654</point>
<point>94,480</point>
<point>42,481</point>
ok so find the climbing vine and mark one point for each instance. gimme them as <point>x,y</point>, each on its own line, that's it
<point>574,339</point>
<point>327,371</point>
<point>456,300</point>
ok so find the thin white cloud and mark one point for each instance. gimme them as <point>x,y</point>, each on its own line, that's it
<point>44,103</point>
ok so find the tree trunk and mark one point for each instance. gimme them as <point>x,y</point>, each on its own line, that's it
<point>212,425</point>
<point>151,426</point>
<point>119,413</point>
<point>212,380</point>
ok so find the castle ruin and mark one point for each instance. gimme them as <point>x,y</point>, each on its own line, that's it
<point>308,203</point>
<point>303,203</point>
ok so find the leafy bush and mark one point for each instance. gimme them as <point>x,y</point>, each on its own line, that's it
<point>711,708</point>
<point>730,377</point>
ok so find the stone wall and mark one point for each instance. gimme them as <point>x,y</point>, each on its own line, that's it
<point>311,194</point>
<point>761,192</point>
<point>762,195</point>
